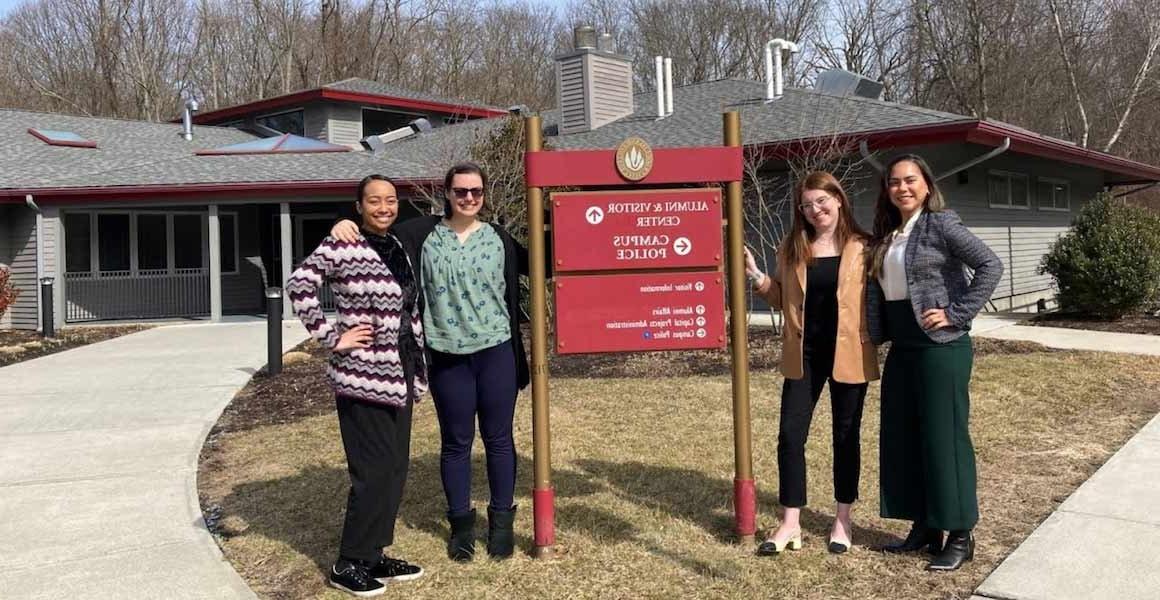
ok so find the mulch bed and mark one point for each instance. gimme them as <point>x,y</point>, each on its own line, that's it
<point>18,345</point>
<point>1140,323</point>
<point>301,390</point>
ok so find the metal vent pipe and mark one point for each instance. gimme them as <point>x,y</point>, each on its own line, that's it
<point>187,119</point>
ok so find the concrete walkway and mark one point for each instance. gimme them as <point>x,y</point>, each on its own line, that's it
<point>98,464</point>
<point>1097,543</point>
<point>1003,327</point>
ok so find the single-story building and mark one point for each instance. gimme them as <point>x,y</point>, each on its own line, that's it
<point>132,220</point>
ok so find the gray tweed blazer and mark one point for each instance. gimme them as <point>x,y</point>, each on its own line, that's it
<point>936,252</point>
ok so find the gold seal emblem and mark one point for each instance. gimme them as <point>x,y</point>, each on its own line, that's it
<point>634,159</point>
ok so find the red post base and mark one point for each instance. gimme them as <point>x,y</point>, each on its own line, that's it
<point>745,508</point>
<point>544,518</point>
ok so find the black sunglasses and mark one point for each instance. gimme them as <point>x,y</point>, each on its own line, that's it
<point>463,192</point>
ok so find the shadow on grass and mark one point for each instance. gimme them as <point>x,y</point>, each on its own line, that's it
<point>305,511</point>
<point>686,494</point>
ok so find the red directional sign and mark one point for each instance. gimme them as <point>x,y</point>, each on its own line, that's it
<point>638,229</point>
<point>634,312</point>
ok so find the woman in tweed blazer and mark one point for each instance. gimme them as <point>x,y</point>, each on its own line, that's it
<point>377,369</point>
<point>920,299</point>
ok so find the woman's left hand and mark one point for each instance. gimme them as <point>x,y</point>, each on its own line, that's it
<point>934,318</point>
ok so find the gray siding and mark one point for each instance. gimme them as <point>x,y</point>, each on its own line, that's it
<point>53,258</point>
<point>1021,237</point>
<point>242,291</point>
<point>570,97</point>
<point>344,125</point>
<point>314,121</point>
<point>594,89</point>
<point>5,253</point>
<point>609,88</point>
<point>20,255</point>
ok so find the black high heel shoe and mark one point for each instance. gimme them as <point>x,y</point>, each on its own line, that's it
<point>920,537</point>
<point>959,549</point>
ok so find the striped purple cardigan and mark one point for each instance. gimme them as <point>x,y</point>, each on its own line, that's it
<point>365,292</point>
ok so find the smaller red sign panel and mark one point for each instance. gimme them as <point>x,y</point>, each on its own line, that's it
<point>639,229</point>
<point>640,312</point>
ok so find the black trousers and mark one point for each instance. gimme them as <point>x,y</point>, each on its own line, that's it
<point>798,399</point>
<point>377,440</point>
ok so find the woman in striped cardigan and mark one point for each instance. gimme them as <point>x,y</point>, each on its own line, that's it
<point>377,370</point>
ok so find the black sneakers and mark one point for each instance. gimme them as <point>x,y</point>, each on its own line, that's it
<point>353,576</point>
<point>393,569</point>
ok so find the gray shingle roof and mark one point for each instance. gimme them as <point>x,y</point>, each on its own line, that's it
<point>142,153</point>
<point>696,121</point>
<point>367,86</point>
<point>797,114</point>
<point>28,162</point>
<point>132,153</point>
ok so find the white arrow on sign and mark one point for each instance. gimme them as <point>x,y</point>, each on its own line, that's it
<point>594,215</point>
<point>682,246</point>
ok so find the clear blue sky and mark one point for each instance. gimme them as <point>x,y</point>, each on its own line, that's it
<point>7,5</point>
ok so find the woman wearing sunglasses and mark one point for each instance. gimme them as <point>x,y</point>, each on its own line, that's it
<point>470,283</point>
<point>819,286</point>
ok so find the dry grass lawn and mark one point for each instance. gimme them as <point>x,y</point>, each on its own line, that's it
<point>643,475</point>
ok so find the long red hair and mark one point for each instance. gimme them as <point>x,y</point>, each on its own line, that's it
<point>795,247</point>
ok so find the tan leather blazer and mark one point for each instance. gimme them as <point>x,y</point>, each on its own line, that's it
<point>855,357</point>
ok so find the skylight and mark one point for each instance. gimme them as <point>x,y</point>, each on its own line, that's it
<point>56,137</point>
<point>286,143</point>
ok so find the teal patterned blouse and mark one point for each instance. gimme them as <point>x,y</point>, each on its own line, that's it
<point>464,289</point>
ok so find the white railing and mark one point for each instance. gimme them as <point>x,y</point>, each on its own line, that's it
<point>148,294</point>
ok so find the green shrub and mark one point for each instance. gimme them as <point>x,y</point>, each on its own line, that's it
<point>8,292</point>
<point>1109,263</point>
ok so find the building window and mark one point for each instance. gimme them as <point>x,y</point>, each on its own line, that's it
<point>287,122</point>
<point>152,242</point>
<point>1053,194</point>
<point>113,242</point>
<point>376,122</point>
<point>1008,190</point>
<point>58,137</point>
<point>187,248</point>
<point>78,241</point>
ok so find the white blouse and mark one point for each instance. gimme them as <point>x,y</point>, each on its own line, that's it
<point>893,277</point>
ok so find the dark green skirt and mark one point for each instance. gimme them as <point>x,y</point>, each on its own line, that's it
<point>927,463</point>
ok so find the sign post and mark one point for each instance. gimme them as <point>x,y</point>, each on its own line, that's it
<point>543,496</point>
<point>638,269</point>
<point>744,488</point>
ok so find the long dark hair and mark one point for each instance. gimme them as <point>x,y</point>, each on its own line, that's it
<point>463,168</point>
<point>795,248</point>
<point>887,217</point>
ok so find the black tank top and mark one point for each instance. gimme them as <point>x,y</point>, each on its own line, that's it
<point>821,311</point>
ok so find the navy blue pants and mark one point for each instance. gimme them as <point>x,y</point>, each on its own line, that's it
<point>465,386</point>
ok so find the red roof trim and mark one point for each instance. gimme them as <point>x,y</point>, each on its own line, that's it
<point>984,133</point>
<point>51,142</point>
<point>166,192</point>
<point>1026,142</point>
<point>298,98</point>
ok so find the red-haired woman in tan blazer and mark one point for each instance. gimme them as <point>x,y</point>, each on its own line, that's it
<point>820,288</point>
